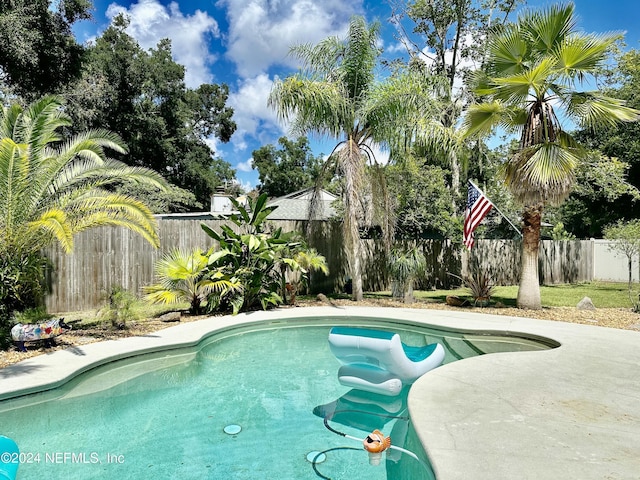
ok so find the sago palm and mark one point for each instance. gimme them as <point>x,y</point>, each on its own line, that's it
<point>534,71</point>
<point>336,95</point>
<point>52,187</point>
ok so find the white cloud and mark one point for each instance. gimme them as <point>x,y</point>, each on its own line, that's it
<point>395,48</point>
<point>245,166</point>
<point>212,143</point>
<point>251,113</point>
<point>247,186</point>
<point>151,21</point>
<point>261,32</point>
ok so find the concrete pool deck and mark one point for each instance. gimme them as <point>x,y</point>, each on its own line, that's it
<point>569,412</point>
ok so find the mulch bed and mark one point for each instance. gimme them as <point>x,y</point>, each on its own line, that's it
<point>605,317</point>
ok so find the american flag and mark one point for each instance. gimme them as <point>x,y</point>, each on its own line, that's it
<point>478,205</point>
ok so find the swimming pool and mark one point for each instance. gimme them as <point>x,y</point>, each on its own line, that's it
<point>163,415</point>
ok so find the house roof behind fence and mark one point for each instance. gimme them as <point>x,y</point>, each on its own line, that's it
<point>295,206</point>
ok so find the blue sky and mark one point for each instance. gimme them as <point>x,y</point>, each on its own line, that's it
<point>244,43</point>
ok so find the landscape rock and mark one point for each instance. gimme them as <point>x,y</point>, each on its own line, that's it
<point>585,304</point>
<point>170,317</point>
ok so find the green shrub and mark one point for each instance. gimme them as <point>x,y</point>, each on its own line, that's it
<point>405,264</point>
<point>32,315</point>
<point>480,285</point>
<point>22,287</point>
<point>120,309</point>
<point>250,260</point>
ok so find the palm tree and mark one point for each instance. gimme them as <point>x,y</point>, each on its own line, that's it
<point>184,278</point>
<point>52,188</point>
<point>336,95</point>
<point>534,69</point>
<point>309,261</point>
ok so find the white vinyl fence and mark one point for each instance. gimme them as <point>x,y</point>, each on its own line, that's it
<point>612,266</point>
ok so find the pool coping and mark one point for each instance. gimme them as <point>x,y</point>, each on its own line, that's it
<point>575,408</point>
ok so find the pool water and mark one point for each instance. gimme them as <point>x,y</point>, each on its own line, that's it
<point>163,415</point>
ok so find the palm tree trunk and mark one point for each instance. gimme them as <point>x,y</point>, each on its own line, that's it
<point>356,271</point>
<point>352,165</point>
<point>529,289</point>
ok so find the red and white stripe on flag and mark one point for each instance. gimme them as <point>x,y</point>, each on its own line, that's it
<point>478,205</point>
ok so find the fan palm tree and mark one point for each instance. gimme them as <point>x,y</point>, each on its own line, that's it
<point>534,70</point>
<point>53,187</point>
<point>184,278</point>
<point>336,96</point>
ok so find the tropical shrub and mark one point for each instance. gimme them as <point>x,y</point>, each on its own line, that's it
<point>480,284</point>
<point>120,308</point>
<point>297,261</point>
<point>251,260</point>
<point>53,187</point>
<point>22,287</point>
<point>184,277</point>
<point>405,264</point>
<point>309,261</point>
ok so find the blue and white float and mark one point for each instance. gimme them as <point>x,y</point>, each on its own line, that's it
<point>377,361</point>
<point>9,458</point>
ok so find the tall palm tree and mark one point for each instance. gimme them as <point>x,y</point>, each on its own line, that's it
<point>53,187</point>
<point>336,95</point>
<point>534,69</point>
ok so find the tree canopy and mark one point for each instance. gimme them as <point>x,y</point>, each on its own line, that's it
<point>38,51</point>
<point>141,95</point>
<point>287,169</point>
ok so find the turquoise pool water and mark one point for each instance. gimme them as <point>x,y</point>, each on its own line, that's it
<point>163,415</point>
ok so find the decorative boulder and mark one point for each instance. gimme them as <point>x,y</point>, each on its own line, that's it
<point>585,304</point>
<point>170,317</point>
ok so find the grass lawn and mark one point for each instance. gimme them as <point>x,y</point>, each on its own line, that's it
<point>602,294</point>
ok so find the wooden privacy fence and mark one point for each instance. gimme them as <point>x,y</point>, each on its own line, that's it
<point>108,257</point>
<point>560,261</point>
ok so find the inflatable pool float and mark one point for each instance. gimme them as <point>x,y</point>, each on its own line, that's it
<point>377,361</point>
<point>9,458</point>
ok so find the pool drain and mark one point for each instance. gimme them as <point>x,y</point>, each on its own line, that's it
<point>316,457</point>
<point>232,429</point>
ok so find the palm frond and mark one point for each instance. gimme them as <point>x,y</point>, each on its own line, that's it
<point>595,110</point>
<point>481,119</point>
<point>582,54</point>
<point>532,81</point>
<point>545,29</point>
<point>319,61</point>
<point>55,223</point>
<point>509,52</point>
<point>360,56</point>
<point>93,210</point>
<point>541,173</point>
<point>316,105</point>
